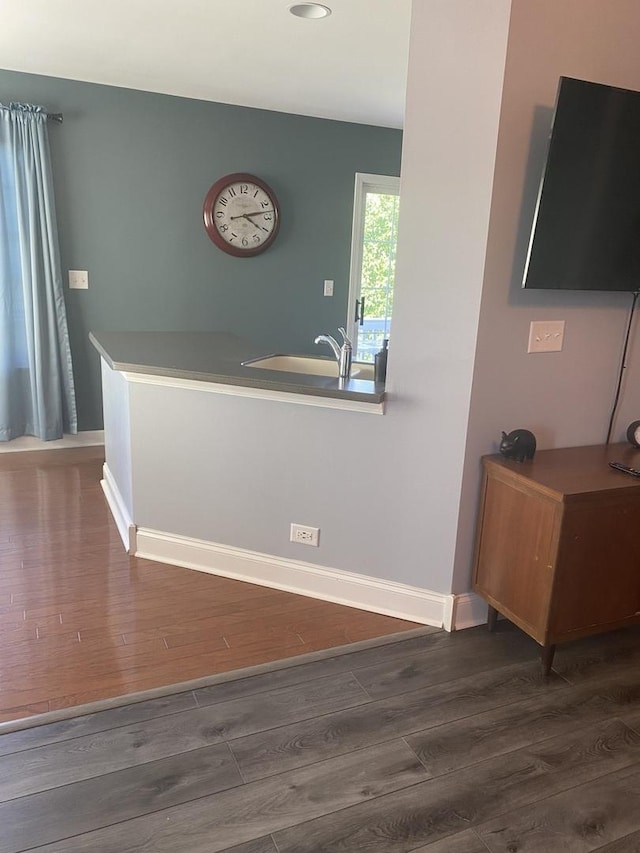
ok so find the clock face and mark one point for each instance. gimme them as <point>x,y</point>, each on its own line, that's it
<point>241,215</point>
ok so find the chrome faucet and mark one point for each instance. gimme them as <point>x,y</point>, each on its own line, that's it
<point>343,354</point>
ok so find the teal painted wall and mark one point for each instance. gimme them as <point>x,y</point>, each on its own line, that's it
<point>131,171</point>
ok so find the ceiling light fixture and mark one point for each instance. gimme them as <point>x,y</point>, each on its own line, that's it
<point>310,10</point>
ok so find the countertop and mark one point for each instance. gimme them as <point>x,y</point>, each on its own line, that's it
<point>217,357</point>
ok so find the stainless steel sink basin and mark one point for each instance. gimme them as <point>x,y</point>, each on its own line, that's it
<point>309,365</point>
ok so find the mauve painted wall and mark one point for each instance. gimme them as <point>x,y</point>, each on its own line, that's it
<point>131,172</point>
<point>565,397</point>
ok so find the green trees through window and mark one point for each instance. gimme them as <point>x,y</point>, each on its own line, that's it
<point>373,262</point>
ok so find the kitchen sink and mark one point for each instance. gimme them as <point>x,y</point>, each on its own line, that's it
<point>309,365</point>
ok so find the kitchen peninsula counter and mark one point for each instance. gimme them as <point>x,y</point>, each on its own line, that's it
<point>197,444</point>
<point>217,357</point>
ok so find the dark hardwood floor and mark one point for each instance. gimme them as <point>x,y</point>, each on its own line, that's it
<point>440,743</point>
<point>80,620</point>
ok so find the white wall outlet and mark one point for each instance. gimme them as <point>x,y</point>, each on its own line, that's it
<point>328,287</point>
<point>304,535</point>
<point>78,279</point>
<point>546,336</point>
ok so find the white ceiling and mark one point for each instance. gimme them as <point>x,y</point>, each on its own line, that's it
<point>350,66</point>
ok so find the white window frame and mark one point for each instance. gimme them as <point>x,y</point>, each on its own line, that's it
<point>364,183</point>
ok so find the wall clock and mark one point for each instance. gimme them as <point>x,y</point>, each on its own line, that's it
<point>633,433</point>
<point>241,215</point>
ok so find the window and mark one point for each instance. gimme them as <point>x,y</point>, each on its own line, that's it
<point>373,262</point>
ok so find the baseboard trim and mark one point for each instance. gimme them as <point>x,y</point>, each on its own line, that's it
<point>354,590</point>
<point>468,610</point>
<point>126,527</point>
<point>86,438</point>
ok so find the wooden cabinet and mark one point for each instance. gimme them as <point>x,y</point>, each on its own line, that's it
<point>558,550</point>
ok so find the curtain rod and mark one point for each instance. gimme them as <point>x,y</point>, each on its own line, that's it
<point>57,117</point>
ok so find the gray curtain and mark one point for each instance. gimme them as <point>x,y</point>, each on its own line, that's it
<point>37,394</point>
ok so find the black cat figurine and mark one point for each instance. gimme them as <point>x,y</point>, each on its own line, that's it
<point>520,444</point>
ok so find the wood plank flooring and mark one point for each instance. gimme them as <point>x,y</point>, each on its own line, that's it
<point>440,743</point>
<point>82,621</point>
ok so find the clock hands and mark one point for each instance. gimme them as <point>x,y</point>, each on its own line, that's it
<point>249,215</point>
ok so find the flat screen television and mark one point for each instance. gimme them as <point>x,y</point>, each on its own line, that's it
<point>586,228</point>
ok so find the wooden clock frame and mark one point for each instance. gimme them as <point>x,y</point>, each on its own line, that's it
<point>209,220</point>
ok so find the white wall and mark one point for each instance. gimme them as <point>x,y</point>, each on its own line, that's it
<point>565,398</point>
<point>456,66</point>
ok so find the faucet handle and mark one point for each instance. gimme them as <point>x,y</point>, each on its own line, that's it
<point>346,339</point>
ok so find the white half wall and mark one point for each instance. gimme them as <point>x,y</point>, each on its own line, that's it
<point>208,471</point>
<point>117,448</point>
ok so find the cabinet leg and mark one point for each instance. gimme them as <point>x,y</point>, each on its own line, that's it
<point>547,659</point>
<point>492,618</point>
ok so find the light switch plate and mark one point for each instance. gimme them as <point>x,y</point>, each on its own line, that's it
<point>78,279</point>
<point>546,336</point>
<point>328,287</point>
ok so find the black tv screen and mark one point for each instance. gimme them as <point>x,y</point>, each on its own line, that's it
<point>586,229</point>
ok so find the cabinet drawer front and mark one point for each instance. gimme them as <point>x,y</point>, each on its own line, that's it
<point>516,550</point>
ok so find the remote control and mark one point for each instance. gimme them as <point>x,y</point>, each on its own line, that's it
<point>625,469</point>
